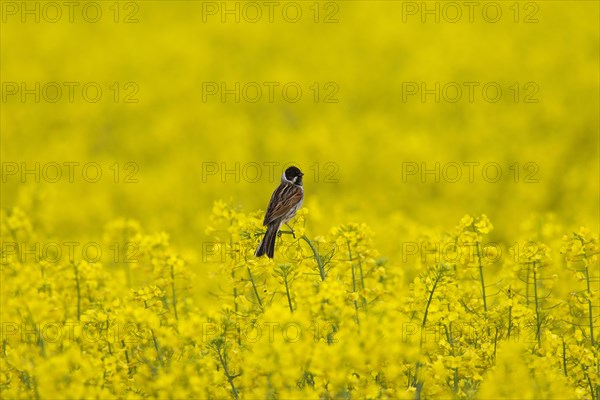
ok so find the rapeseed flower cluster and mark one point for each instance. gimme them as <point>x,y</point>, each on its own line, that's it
<point>328,317</point>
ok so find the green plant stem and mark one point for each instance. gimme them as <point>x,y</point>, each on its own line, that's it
<point>510,296</point>
<point>362,284</point>
<point>251,277</point>
<point>435,283</point>
<point>496,341</point>
<point>538,322</point>
<point>590,308</point>
<point>564,357</point>
<point>78,288</point>
<point>228,375</point>
<point>481,279</point>
<point>235,293</point>
<point>156,347</point>
<point>482,285</point>
<point>35,388</point>
<point>451,342</point>
<point>287,292</point>
<point>419,384</point>
<point>588,381</point>
<point>129,369</point>
<point>353,282</point>
<point>527,286</point>
<point>316,255</point>
<point>173,291</point>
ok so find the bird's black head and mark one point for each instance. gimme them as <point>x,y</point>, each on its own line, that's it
<point>294,175</point>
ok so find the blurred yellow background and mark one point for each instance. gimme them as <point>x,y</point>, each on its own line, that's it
<point>404,117</point>
<point>370,55</point>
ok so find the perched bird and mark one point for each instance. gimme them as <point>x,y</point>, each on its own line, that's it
<point>285,201</point>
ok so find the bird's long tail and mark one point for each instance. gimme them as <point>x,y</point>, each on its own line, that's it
<point>267,246</point>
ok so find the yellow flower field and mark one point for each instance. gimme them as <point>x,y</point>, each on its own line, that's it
<point>448,242</point>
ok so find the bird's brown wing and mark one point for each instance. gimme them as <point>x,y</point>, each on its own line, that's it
<point>284,199</point>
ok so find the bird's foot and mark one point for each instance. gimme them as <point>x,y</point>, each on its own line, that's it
<point>292,231</point>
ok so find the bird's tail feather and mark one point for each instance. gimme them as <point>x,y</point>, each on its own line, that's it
<point>267,246</point>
